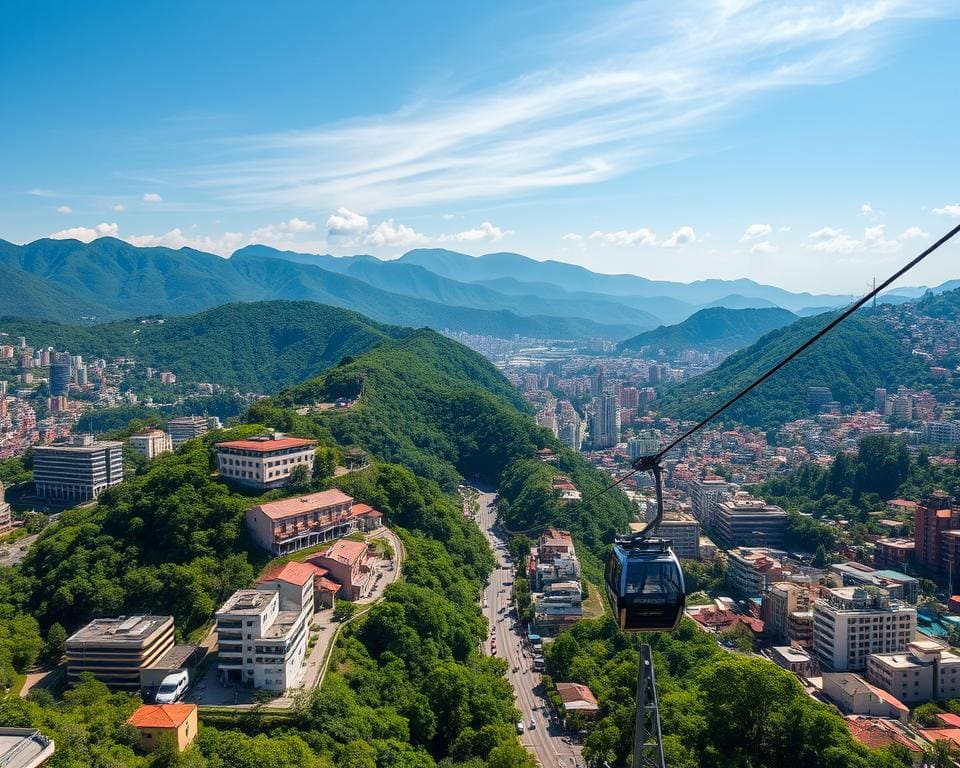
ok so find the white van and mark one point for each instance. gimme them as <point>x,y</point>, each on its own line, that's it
<point>173,687</point>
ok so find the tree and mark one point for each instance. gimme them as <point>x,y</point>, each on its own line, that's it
<point>325,463</point>
<point>300,478</point>
<point>343,610</point>
<point>54,645</point>
<point>510,755</point>
<point>820,558</point>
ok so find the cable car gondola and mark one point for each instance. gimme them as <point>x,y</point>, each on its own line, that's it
<point>643,578</point>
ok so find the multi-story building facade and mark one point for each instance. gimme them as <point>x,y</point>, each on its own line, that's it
<point>296,523</point>
<point>349,564</point>
<point>750,570</point>
<point>933,516</point>
<point>185,428</point>
<point>264,462</point>
<point>554,559</point>
<point>923,672</point>
<point>261,645</point>
<point>116,650</point>
<point>683,532</point>
<point>59,374</point>
<point>854,622</point>
<point>743,521</point>
<point>151,442</point>
<point>892,553</point>
<point>778,604</point>
<point>706,494</point>
<point>6,517</point>
<point>77,470</point>
<point>898,585</point>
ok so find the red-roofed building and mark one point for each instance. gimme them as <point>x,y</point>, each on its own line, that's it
<point>348,563</point>
<point>296,583</point>
<point>366,517</point>
<point>264,462</point>
<point>289,525</point>
<point>949,720</point>
<point>876,732</point>
<point>578,699</point>
<point>933,735</point>
<point>154,722</point>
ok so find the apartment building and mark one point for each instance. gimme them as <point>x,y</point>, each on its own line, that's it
<point>561,597</point>
<point>854,622</point>
<point>683,531</point>
<point>185,428</point>
<point>705,494</point>
<point>778,603</point>
<point>294,583</point>
<point>898,585</point>
<point>116,650</point>
<point>151,442</point>
<point>743,521</point>
<point>349,564</point>
<point>261,645</point>
<point>264,462</point>
<point>6,516</point>
<point>553,559</point>
<point>933,516</point>
<point>78,469</point>
<point>923,672</point>
<point>892,553</point>
<point>750,570</point>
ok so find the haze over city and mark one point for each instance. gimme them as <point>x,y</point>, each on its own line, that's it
<point>803,145</point>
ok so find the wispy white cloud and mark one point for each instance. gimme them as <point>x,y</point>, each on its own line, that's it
<point>642,236</point>
<point>152,197</point>
<point>755,231</point>
<point>621,107</point>
<point>37,192</point>
<point>765,247</point>
<point>866,210</point>
<point>679,237</point>
<point>951,209</point>
<point>118,207</point>
<point>876,239</point>
<point>572,237</point>
<point>64,209</point>
<point>913,233</point>
<point>486,232</point>
<point>832,240</point>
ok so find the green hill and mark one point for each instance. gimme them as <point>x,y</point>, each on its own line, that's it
<point>716,328</point>
<point>258,347</point>
<point>854,359</point>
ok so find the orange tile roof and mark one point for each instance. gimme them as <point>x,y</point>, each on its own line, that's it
<point>575,692</point>
<point>296,505</point>
<point>323,584</point>
<point>161,715</point>
<point>949,719</point>
<point>291,572</point>
<point>345,550</point>
<point>267,446</point>
<point>359,510</point>
<point>941,734</point>
<point>874,732</point>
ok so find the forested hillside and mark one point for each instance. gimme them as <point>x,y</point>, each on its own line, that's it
<point>257,347</point>
<point>854,359</point>
<point>716,328</point>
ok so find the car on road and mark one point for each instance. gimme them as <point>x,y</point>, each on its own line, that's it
<point>172,687</point>
<point>533,723</point>
<point>520,726</point>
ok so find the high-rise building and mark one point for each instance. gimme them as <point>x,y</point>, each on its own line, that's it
<point>6,521</point>
<point>743,521</point>
<point>706,494</point>
<point>817,396</point>
<point>647,443</point>
<point>605,424</point>
<point>880,400</point>
<point>59,374</point>
<point>185,428</point>
<point>901,408</point>
<point>932,517</point>
<point>683,531</point>
<point>778,603</point>
<point>853,622</point>
<point>77,470</point>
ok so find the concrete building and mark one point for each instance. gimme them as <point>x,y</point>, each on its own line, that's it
<point>743,521</point>
<point>259,644</point>
<point>24,748</point>
<point>892,553</point>
<point>750,570</point>
<point>6,516</point>
<point>289,525</point>
<point>264,462</point>
<point>793,660</point>
<point>933,516</point>
<point>924,672</point>
<point>777,604</point>
<point>151,442</point>
<point>553,559</point>
<point>898,585</point>
<point>185,428</point>
<point>854,622</point>
<point>855,696</point>
<point>77,470</point>
<point>156,722</point>
<point>349,564</point>
<point>941,432</point>
<point>116,650</point>
<point>59,374</point>
<point>683,531</point>
<point>707,493</point>
<point>561,597</point>
<point>294,582</point>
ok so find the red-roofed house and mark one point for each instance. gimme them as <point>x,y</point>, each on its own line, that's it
<point>875,732</point>
<point>366,517</point>
<point>157,721</point>
<point>264,462</point>
<point>296,583</point>
<point>289,525</point>
<point>941,734</point>
<point>347,563</point>
<point>578,699</point>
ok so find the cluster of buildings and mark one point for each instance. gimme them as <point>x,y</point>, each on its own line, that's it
<point>553,572</point>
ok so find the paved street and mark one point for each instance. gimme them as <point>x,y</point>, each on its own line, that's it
<point>546,742</point>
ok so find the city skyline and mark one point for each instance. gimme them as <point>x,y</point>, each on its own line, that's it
<point>778,142</point>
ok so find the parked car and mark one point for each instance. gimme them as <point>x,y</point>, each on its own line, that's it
<point>520,726</point>
<point>533,723</point>
<point>173,687</point>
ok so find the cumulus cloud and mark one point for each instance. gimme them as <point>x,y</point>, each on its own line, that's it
<point>152,197</point>
<point>64,209</point>
<point>119,207</point>
<point>87,234</point>
<point>642,236</point>
<point>282,234</point>
<point>680,236</point>
<point>876,239</point>
<point>390,235</point>
<point>485,232</point>
<point>951,209</point>
<point>346,223</point>
<point>755,231</point>
<point>913,233</point>
<point>765,247</point>
<point>222,245</point>
<point>866,210</point>
<point>573,237</point>
<point>833,240</point>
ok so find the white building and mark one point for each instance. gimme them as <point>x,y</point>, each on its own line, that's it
<point>926,671</point>
<point>264,462</point>
<point>185,428</point>
<point>77,470</point>
<point>683,532</point>
<point>853,623</point>
<point>151,443</point>
<point>260,645</point>
<point>705,494</point>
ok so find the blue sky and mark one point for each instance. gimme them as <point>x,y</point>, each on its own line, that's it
<point>810,145</point>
